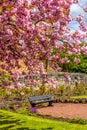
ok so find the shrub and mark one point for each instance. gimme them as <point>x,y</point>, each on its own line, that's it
<point>78,121</point>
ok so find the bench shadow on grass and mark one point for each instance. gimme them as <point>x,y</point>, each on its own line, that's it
<point>26,128</point>
<point>12,122</point>
<point>49,128</point>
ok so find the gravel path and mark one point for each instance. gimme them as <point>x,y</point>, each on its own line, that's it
<point>68,110</point>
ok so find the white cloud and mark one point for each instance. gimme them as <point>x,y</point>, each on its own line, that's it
<point>74,25</point>
<point>76,9</point>
<point>83,2</point>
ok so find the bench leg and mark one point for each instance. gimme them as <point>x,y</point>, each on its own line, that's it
<point>50,103</point>
<point>33,105</point>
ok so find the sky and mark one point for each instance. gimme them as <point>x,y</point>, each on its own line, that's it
<point>75,11</point>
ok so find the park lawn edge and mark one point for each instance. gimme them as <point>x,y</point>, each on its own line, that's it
<point>79,96</point>
<point>39,123</point>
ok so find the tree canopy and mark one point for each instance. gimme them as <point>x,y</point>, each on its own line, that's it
<point>36,32</point>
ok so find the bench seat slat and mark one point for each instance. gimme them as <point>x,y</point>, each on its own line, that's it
<point>40,99</point>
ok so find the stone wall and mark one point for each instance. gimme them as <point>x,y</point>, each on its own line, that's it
<point>75,77</point>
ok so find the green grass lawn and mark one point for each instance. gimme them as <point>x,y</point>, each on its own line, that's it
<point>15,121</point>
<point>79,96</point>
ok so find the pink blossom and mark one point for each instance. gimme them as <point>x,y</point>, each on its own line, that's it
<point>84,50</point>
<point>75,1</point>
<point>76,60</point>
<point>53,86</point>
<point>79,18</point>
<point>64,60</point>
<point>24,53</point>
<point>9,32</point>
<point>76,50</point>
<point>69,53</point>
<point>85,9</point>
<point>67,77</point>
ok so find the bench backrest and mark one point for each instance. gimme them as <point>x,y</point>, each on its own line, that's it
<point>40,97</point>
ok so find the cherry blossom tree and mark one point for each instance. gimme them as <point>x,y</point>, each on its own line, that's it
<point>36,32</point>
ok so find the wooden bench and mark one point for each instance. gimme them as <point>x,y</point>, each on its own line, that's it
<point>34,100</point>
